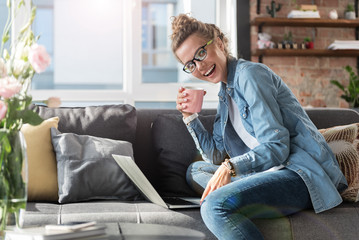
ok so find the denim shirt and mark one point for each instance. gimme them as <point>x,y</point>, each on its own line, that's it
<point>272,114</point>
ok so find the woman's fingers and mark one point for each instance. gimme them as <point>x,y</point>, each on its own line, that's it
<point>181,98</point>
<point>206,192</point>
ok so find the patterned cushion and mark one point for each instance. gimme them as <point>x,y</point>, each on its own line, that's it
<point>344,142</point>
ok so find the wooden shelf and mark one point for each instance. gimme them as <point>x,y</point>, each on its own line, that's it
<point>305,22</point>
<point>306,52</point>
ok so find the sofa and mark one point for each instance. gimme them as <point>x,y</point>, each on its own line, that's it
<point>162,148</point>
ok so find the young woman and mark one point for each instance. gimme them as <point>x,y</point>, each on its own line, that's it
<point>265,158</point>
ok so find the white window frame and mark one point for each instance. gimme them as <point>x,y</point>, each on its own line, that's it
<point>133,89</point>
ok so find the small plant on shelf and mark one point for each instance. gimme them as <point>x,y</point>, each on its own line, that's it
<point>350,8</point>
<point>351,92</point>
<point>273,9</point>
<point>287,40</point>
<point>349,12</point>
<point>309,44</point>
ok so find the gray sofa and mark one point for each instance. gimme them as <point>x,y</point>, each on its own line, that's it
<point>163,149</point>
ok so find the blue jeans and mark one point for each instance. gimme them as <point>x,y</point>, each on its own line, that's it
<point>227,211</point>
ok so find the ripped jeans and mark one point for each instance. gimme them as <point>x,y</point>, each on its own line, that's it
<point>227,211</point>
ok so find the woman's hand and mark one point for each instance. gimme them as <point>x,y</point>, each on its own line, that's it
<point>220,178</point>
<point>181,98</point>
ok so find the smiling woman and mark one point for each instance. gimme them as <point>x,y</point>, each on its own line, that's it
<point>263,144</point>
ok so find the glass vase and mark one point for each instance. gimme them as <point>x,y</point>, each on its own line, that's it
<point>13,179</point>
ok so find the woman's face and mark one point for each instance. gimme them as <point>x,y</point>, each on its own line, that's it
<point>214,67</point>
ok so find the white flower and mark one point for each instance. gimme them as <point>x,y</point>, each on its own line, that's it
<point>19,67</point>
<point>21,51</point>
<point>3,69</point>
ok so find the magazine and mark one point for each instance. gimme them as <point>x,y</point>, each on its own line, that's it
<point>41,233</point>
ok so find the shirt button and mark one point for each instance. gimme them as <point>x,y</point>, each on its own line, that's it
<point>276,130</point>
<point>244,115</point>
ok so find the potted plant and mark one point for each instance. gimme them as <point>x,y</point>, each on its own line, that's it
<point>349,12</point>
<point>309,44</point>
<point>351,92</point>
<point>288,40</point>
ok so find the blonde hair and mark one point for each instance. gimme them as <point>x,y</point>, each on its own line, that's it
<point>183,26</point>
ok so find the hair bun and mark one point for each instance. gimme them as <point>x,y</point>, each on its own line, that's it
<point>182,21</point>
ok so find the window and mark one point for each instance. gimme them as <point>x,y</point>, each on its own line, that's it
<point>116,51</point>
<point>158,62</point>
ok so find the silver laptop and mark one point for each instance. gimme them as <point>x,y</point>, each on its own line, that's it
<point>142,183</point>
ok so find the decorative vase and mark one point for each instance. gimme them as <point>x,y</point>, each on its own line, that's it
<point>13,179</point>
<point>309,45</point>
<point>350,15</point>
<point>333,14</point>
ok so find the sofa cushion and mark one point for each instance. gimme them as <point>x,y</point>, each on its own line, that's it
<point>108,121</point>
<point>87,171</point>
<point>344,142</point>
<point>175,154</point>
<point>42,171</point>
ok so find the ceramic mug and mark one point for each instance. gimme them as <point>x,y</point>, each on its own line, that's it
<point>194,99</point>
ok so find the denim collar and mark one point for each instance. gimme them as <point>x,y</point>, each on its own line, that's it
<point>231,70</point>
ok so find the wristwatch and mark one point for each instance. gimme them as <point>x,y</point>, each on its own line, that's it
<point>229,166</point>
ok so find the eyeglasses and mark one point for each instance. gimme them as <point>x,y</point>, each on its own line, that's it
<point>200,55</point>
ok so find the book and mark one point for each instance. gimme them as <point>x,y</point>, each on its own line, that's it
<point>307,7</point>
<point>303,14</point>
<point>344,44</point>
<point>41,233</point>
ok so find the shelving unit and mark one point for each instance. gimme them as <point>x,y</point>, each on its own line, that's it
<point>306,52</point>
<point>305,22</point>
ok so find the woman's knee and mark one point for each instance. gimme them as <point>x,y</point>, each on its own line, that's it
<point>198,175</point>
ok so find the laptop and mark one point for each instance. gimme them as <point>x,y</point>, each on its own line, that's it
<point>139,179</point>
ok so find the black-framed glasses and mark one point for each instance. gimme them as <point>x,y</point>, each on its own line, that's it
<point>200,55</point>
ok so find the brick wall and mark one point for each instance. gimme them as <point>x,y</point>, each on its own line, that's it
<point>308,77</point>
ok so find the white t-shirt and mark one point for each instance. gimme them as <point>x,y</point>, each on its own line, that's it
<point>236,120</point>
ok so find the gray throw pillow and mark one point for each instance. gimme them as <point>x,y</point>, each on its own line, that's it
<point>87,171</point>
<point>116,122</point>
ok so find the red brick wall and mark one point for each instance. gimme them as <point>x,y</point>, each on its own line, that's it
<point>308,77</point>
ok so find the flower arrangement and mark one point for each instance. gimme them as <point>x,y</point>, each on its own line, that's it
<point>17,69</point>
<point>20,60</point>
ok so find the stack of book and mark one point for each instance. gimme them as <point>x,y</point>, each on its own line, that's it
<point>344,44</point>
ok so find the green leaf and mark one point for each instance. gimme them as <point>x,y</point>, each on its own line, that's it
<point>6,143</point>
<point>338,84</point>
<point>31,117</point>
<point>3,133</point>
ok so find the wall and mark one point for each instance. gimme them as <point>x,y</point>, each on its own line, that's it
<point>309,77</point>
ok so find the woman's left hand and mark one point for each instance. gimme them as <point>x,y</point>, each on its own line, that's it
<point>220,178</point>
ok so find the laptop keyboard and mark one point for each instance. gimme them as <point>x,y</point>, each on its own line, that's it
<point>177,201</point>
